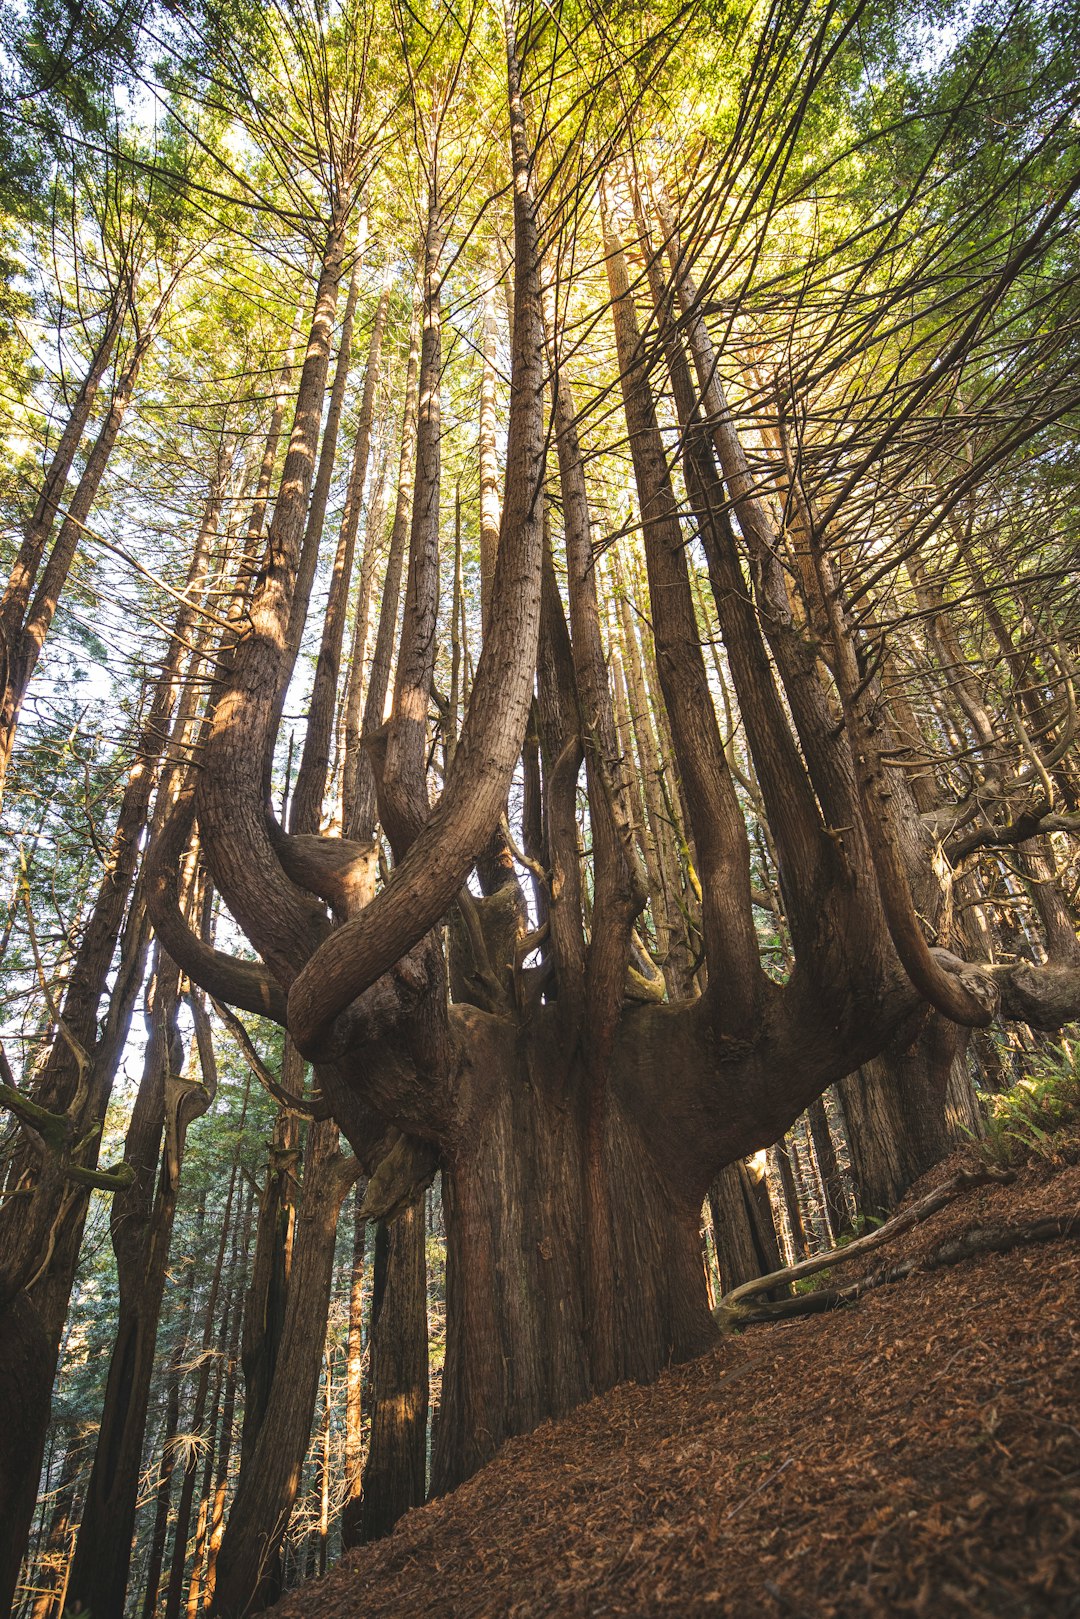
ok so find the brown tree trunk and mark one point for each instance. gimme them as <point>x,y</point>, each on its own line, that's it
<point>314,763</point>
<point>894,1107</point>
<point>744,1234</point>
<point>228,1415</point>
<point>836,1205</point>
<point>352,1510</point>
<point>799,1239</point>
<point>142,1229</point>
<point>395,1477</point>
<point>167,1463</point>
<point>54,1559</point>
<point>178,1565</point>
<point>270,1472</point>
<point>513,1197</point>
<point>264,1306</point>
<point>358,788</point>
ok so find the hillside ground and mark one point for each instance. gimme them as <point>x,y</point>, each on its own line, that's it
<point>917,1453</point>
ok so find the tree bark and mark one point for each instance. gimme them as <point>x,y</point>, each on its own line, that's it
<point>395,1477</point>
<point>142,1229</point>
<point>351,1512</point>
<point>270,1474</point>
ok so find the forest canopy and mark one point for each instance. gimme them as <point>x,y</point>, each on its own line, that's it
<point>539,653</point>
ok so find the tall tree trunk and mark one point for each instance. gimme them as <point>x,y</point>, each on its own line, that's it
<point>314,763</point>
<point>358,786</point>
<point>142,1227</point>
<point>270,1473</point>
<point>743,1230</point>
<point>228,1415</point>
<point>799,1240</point>
<point>54,1560</point>
<point>352,1509</point>
<point>24,642</point>
<point>264,1306</point>
<point>50,497</point>
<point>177,1567</point>
<point>167,1464</point>
<point>836,1204</point>
<point>395,1477</point>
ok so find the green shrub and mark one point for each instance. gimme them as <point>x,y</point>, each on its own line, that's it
<point>1040,1113</point>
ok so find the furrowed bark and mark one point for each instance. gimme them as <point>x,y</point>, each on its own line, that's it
<point>395,1475</point>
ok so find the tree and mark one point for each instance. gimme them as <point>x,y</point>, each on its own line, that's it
<point>723,812</point>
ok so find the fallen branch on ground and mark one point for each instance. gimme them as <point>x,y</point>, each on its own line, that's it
<point>991,1239</point>
<point>915,1215</point>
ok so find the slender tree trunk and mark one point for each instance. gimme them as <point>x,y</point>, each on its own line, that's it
<point>25,643</point>
<point>395,1477</point>
<point>351,1512</point>
<point>50,497</point>
<point>836,1204</point>
<point>315,760</point>
<point>167,1464</point>
<point>54,1561</point>
<point>799,1238</point>
<point>270,1473</point>
<point>181,1533</point>
<point>228,1416</point>
<point>358,787</point>
<point>264,1306</point>
<point>142,1226</point>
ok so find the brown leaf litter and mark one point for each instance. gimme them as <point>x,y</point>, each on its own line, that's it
<point>916,1454</point>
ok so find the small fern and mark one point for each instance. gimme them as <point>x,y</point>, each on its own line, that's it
<point>1032,1119</point>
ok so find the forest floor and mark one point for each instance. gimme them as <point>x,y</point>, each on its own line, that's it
<point>917,1453</point>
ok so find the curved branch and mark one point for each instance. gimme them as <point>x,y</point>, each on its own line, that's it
<point>438,862</point>
<point>245,984</point>
<point>308,1109</point>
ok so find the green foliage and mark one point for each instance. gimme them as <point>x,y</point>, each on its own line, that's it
<point>1038,1117</point>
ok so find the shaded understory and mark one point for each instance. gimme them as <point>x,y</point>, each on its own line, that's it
<point>916,1454</point>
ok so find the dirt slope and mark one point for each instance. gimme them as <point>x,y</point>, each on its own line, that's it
<point>916,1454</point>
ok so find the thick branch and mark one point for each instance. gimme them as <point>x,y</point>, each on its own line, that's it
<point>439,861</point>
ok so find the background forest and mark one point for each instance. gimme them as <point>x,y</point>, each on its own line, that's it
<point>538,740</point>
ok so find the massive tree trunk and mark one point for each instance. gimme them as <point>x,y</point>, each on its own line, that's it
<point>514,1198</point>
<point>514,1188</point>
